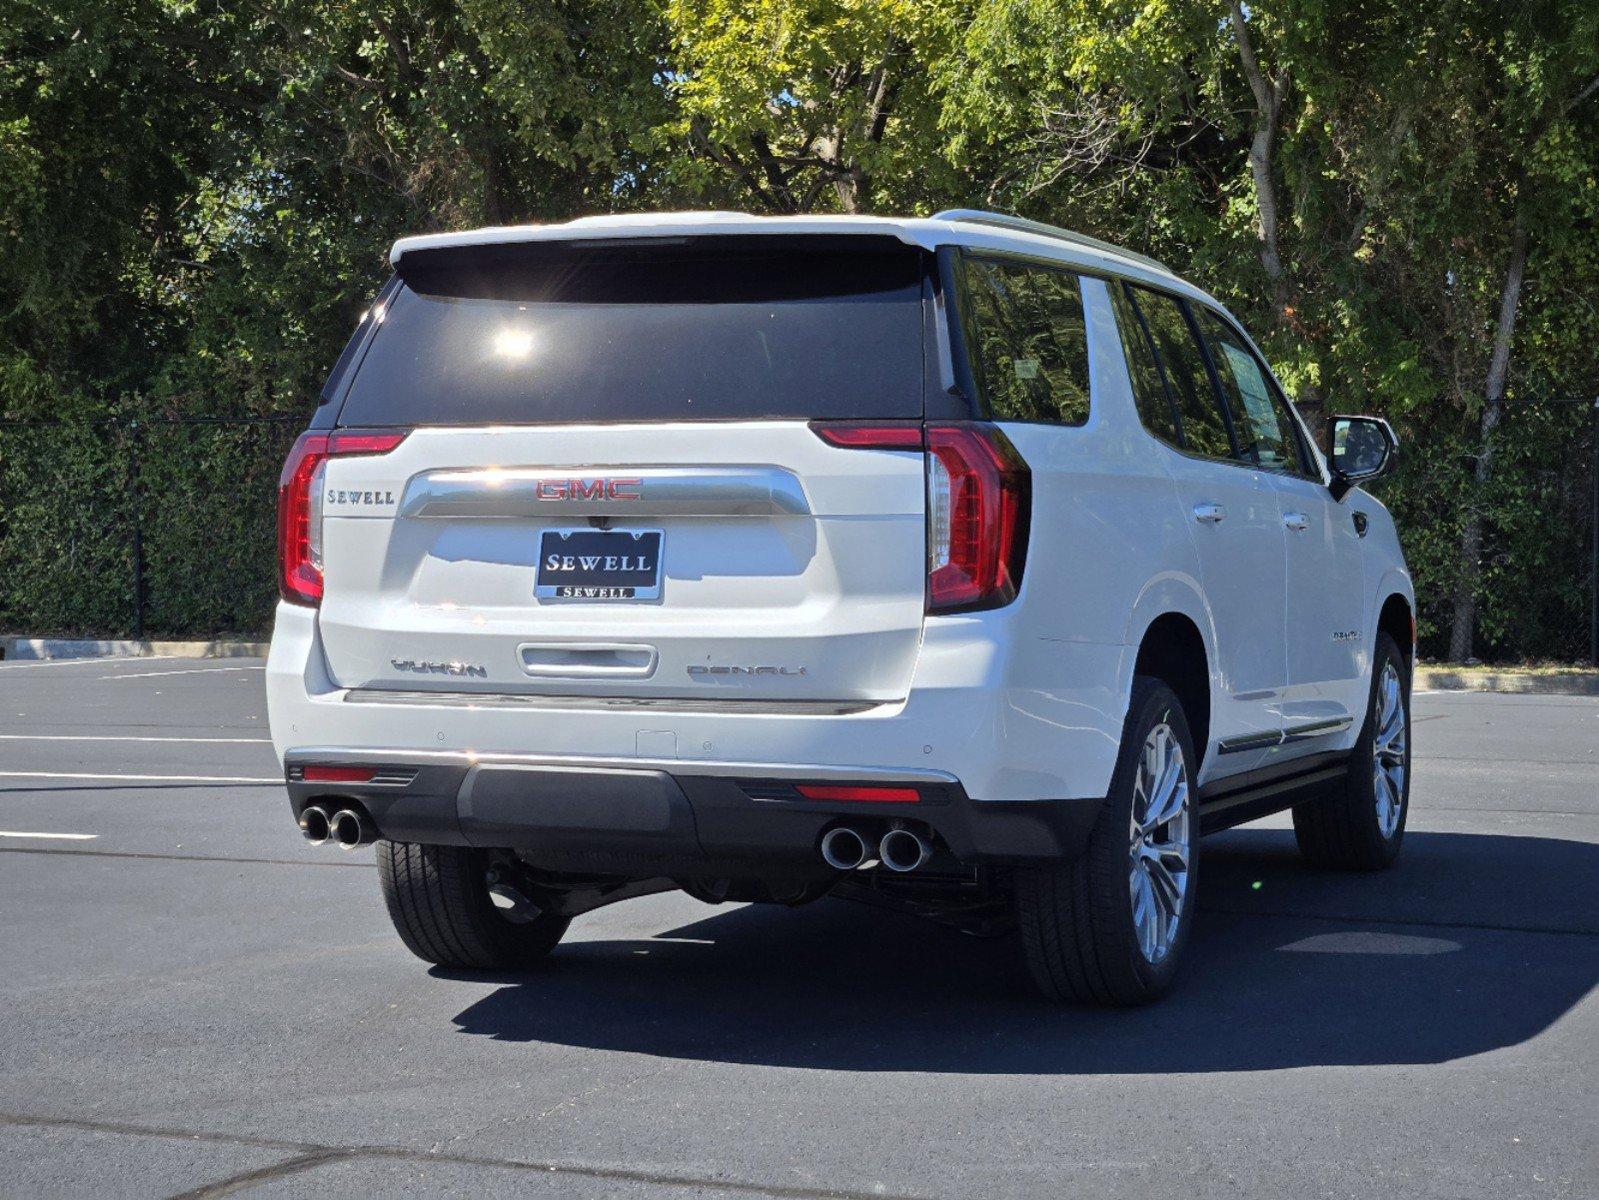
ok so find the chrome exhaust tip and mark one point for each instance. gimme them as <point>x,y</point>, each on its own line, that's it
<point>315,825</point>
<point>843,848</point>
<point>901,850</point>
<point>349,829</point>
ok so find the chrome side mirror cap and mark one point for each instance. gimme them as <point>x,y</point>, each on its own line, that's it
<point>1363,448</point>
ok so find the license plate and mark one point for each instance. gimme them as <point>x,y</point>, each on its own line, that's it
<point>599,564</point>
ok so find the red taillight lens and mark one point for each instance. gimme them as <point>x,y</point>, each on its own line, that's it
<point>338,774</point>
<point>979,496</point>
<point>866,795</point>
<point>300,507</point>
<point>870,435</point>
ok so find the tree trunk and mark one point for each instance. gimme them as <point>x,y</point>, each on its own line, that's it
<point>1269,95</point>
<point>1462,630</point>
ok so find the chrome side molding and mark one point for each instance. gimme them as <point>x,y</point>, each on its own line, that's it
<point>733,491</point>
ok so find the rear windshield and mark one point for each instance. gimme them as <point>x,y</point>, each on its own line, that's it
<point>718,329</point>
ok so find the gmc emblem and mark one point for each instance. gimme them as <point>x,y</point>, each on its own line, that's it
<point>589,489</point>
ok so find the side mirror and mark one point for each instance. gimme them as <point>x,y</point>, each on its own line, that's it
<point>1362,448</point>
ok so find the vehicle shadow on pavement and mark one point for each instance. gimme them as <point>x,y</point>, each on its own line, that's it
<point>1472,943</point>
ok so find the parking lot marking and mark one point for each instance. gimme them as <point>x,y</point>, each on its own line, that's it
<point>65,837</point>
<point>182,671</point>
<point>110,737</point>
<point>143,778</point>
<point>101,660</point>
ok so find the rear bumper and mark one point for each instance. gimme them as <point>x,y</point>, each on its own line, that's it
<point>633,818</point>
<point>995,731</point>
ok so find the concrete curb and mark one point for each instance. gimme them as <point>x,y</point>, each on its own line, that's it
<point>1515,683</point>
<point>27,648</point>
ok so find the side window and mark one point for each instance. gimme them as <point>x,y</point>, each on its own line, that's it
<point>1183,363</point>
<point>1027,343</point>
<point>1149,390</point>
<point>1260,415</point>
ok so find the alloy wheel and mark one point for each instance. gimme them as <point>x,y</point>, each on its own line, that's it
<point>1388,751</point>
<point>1161,843</point>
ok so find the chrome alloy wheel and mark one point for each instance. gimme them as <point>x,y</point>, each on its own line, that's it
<point>1162,843</point>
<point>1388,751</point>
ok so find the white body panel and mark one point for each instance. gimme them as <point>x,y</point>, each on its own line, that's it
<point>1024,702</point>
<point>834,589</point>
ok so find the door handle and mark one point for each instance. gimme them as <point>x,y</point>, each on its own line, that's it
<point>1296,521</point>
<point>1210,514</point>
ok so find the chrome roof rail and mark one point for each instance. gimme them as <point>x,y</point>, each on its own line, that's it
<point>979,216</point>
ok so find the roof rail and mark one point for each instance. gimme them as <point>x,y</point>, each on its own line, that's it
<point>979,216</point>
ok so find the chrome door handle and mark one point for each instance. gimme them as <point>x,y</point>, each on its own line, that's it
<point>1210,514</point>
<point>1296,521</point>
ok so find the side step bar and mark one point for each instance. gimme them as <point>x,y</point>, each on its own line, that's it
<point>1259,793</point>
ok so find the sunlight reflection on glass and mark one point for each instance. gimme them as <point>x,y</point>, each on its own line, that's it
<point>513,344</point>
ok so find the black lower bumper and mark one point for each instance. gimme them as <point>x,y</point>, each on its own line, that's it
<point>628,821</point>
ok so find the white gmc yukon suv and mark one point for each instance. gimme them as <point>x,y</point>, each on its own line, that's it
<point>965,564</point>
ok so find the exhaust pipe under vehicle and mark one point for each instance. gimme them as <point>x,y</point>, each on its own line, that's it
<point>349,829</point>
<point>902,850</point>
<point>315,824</point>
<point>843,848</point>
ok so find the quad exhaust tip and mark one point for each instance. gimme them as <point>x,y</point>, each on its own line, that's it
<point>315,825</point>
<point>901,850</point>
<point>844,849</point>
<point>349,829</point>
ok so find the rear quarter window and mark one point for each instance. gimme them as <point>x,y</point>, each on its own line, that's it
<point>724,328</point>
<point>1026,340</point>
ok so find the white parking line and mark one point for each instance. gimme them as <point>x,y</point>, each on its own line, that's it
<point>108,737</point>
<point>184,671</point>
<point>64,837</point>
<point>141,778</point>
<point>99,661</point>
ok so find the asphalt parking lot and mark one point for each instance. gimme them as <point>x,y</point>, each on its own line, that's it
<point>195,1003</point>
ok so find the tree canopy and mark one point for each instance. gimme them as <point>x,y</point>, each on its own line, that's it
<point>1400,200</point>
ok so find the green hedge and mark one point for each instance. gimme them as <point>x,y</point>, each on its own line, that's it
<point>206,497</point>
<point>201,495</point>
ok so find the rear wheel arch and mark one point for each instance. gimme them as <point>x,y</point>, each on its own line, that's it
<point>1172,649</point>
<point>1397,620</point>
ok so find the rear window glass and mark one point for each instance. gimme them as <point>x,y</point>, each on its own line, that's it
<point>718,329</point>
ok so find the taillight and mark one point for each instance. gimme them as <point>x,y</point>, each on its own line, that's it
<point>870,435</point>
<point>300,505</point>
<point>978,501</point>
<point>979,497</point>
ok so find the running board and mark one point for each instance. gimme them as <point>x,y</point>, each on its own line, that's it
<point>1282,737</point>
<point>1266,790</point>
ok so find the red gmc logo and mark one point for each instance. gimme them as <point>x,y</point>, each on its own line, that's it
<point>590,489</point>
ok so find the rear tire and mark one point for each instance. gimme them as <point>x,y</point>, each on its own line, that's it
<point>1359,823</point>
<point>1080,922</point>
<point>438,899</point>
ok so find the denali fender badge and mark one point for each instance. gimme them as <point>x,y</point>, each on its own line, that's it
<point>698,669</point>
<point>439,668</point>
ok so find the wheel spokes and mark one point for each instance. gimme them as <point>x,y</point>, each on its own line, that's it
<point>1160,843</point>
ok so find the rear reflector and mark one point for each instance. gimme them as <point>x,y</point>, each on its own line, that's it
<point>300,505</point>
<point>338,774</point>
<point>865,795</point>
